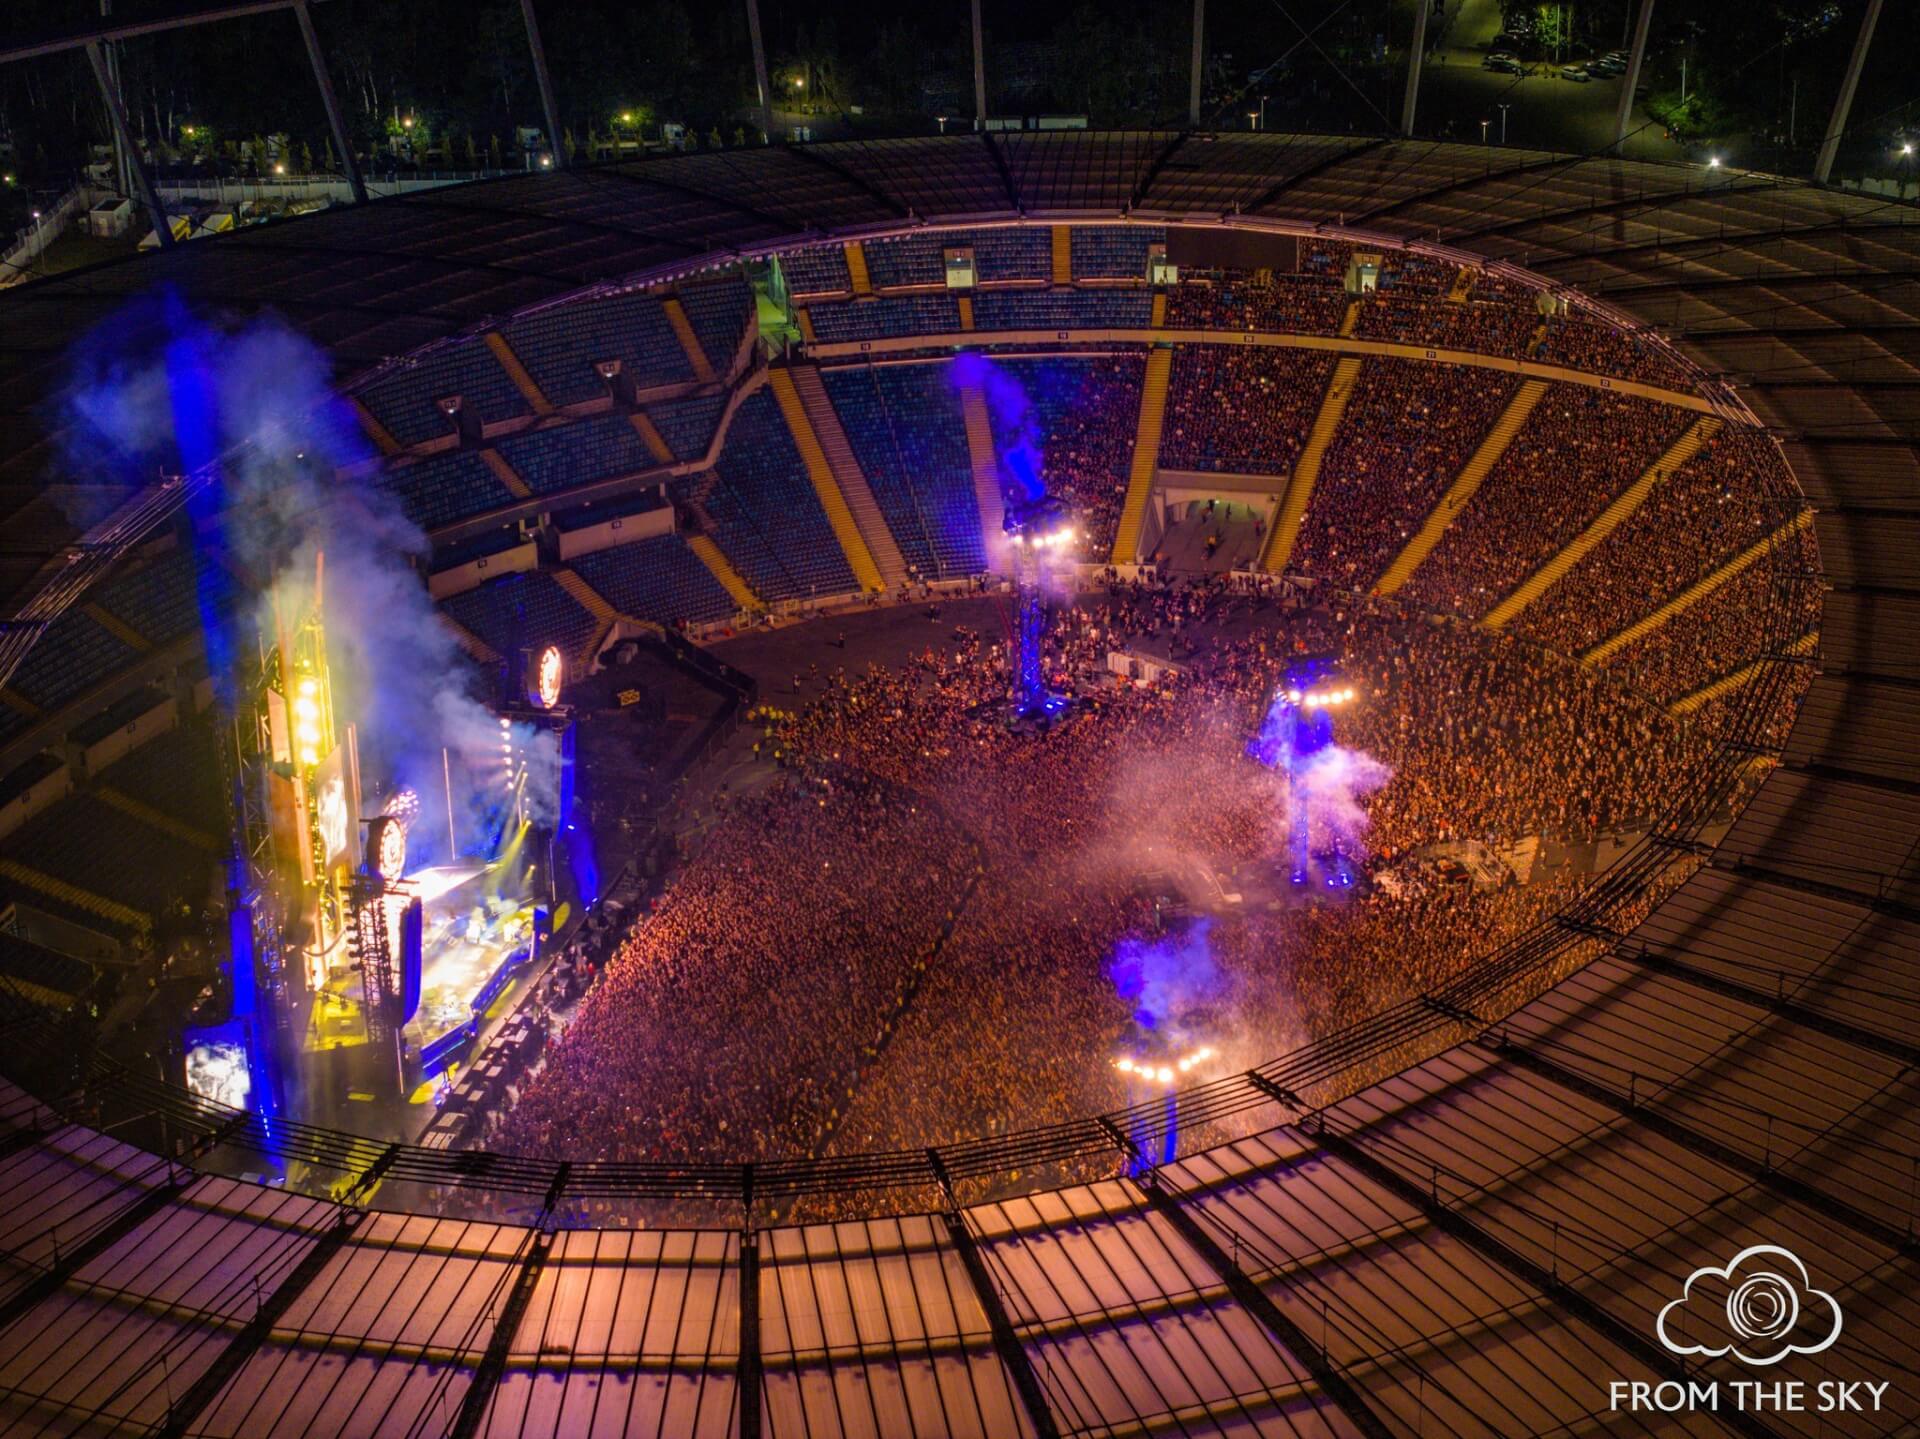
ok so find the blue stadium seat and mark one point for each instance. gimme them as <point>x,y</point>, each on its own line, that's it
<point>527,610</point>
<point>657,578</point>
<point>560,347</point>
<point>572,454</point>
<point>444,488</point>
<point>688,425</point>
<point>719,311</point>
<point>407,401</point>
<point>905,426</point>
<point>816,269</point>
<point>1113,252</point>
<point>885,316</point>
<point>1062,309</point>
<point>769,520</point>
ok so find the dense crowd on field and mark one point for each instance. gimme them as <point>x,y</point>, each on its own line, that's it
<point>903,935</point>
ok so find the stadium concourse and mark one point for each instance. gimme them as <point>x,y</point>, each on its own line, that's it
<point>1630,445</point>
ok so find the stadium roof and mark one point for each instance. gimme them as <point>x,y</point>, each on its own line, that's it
<point>1475,1245</point>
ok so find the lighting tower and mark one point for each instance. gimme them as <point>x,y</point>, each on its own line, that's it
<point>1298,726</point>
<point>1038,534</point>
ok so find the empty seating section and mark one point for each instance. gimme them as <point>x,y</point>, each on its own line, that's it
<point>1578,449</point>
<point>1022,252</point>
<point>1407,430</point>
<point>519,611</point>
<point>1707,640</point>
<point>407,401</point>
<point>1113,252</point>
<point>1487,329</point>
<point>560,347</point>
<point>1241,410</point>
<point>908,259</point>
<point>160,599</point>
<point>657,578</point>
<point>718,310</point>
<point>688,425</point>
<point>572,454</point>
<point>885,316</point>
<point>1399,269</point>
<point>1087,411</point>
<point>72,655</point>
<point>1603,350</point>
<point>816,270</point>
<point>1239,302</point>
<point>444,488</point>
<point>769,521</point>
<point>905,425</point>
<point>96,847</point>
<point>1062,309</point>
<point>1733,493</point>
<point>177,773</point>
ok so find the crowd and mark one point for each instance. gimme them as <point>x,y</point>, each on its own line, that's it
<point>1600,349</point>
<point>1732,493</point>
<point>1241,411</point>
<point>1578,449</point>
<point>1088,410</point>
<point>1408,429</point>
<point>904,939</point>
<point>1240,301</point>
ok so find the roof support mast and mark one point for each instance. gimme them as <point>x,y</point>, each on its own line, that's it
<point>341,141</point>
<point>1630,81</point>
<point>540,73</point>
<point>1843,103</point>
<point>117,113</point>
<point>1415,54</point>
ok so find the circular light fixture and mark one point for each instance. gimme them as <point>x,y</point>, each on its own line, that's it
<point>549,673</point>
<point>387,847</point>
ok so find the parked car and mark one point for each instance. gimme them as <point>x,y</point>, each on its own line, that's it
<point>1505,64</point>
<point>1575,72</point>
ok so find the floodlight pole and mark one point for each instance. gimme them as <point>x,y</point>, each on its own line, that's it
<point>1199,63</point>
<point>552,110</point>
<point>760,69</point>
<point>117,113</point>
<point>331,102</point>
<point>1630,81</point>
<point>1414,57</point>
<point>1830,147</point>
<point>979,73</point>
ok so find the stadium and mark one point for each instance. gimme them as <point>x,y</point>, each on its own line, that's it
<point>1029,1032</point>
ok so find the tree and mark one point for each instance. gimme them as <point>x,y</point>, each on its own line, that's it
<point>566,143</point>
<point>332,160</point>
<point>493,152</point>
<point>472,153</point>
<point>306,158</point>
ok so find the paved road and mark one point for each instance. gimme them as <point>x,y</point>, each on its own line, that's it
<point>1546,111</point>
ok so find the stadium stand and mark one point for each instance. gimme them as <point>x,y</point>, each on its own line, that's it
<point>1113,252</point>
<point>1408,429</point>
<point>1062,310</point>
<point>817,270</point>
<point>560,346</point>
<point>657,578</point>
<point>560,456</point>
<point>443,488</point>
<point>906,429</point>
<point>1085,410</point>
<point>1242,411</point>
<point>688,425</point>
<point>720,311</point>
<point>407,400</point>
<point>521,611</point>
<point>1578,449</point>
<point>885,316</point>
<point>768,519</point>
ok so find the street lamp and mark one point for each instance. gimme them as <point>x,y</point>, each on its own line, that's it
<point>1504,107</point>
<point>1484,124</point>
<point>1713,162</point>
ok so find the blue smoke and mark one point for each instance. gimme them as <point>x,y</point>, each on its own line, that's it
<point>1165,977</point>
<point>1020,451</point>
